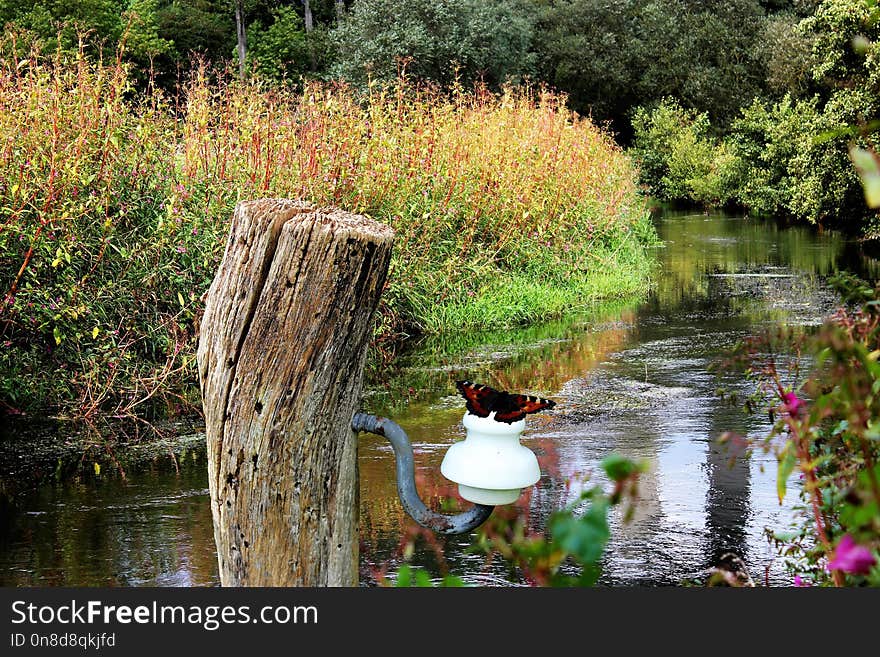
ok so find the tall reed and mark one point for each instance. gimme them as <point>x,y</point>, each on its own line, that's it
<point>114,207</point>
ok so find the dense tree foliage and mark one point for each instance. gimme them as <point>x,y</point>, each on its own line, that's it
<point>167,37</point>
<point>612,57</point>
<point>712,55</point>
<point>440,40</point>
<point>782,156</point>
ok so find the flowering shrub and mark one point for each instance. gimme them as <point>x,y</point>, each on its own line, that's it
<point>828,428</point>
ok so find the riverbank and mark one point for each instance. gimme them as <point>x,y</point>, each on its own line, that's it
<point>508,209</point>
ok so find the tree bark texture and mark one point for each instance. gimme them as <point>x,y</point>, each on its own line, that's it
<point>283,340</point>
<point>308,20</point>
<point>240,38</point>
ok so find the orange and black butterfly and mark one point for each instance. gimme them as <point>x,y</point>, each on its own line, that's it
<point>483,400</point>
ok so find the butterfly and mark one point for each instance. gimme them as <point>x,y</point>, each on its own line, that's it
<point>509,408</point>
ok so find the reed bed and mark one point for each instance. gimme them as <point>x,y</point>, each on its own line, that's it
<point>115,202</point>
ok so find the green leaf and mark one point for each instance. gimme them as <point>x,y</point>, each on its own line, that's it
<point>451,581</point>
<point>868,167</point>
<point>619,467</point>
<point>58,335</point>
<point>423,580</point>
<point>404,577</point>
<point>787,461</point>
<point>872,431</point>
<point>583,537</point>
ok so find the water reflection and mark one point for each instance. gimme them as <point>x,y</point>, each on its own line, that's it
<point>636,380</point>
<point>151,528</point>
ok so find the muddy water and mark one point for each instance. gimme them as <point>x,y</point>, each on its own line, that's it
<point>632,378</point>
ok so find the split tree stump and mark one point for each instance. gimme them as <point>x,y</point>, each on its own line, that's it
<point>281,355</point>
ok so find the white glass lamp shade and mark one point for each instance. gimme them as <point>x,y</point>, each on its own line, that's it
<point>490,465</point>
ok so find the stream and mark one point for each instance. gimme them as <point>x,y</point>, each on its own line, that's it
<point>630,377</point>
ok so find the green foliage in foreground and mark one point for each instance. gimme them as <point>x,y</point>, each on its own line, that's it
<point>114,213</point>
<point>571,551</point>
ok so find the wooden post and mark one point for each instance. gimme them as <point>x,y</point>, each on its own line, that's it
<point>281,354</point>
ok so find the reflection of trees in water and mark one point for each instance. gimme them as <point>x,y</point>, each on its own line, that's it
<point>696,245</point>
<point>728,498</point>
<point>154,528</point>
<point>534,359</point>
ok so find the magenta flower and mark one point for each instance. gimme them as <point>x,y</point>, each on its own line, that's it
<point>851,557</point>
<point>801,582</point>
<point>792,403</point>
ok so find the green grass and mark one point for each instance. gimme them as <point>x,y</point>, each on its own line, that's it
<point>523,298</point>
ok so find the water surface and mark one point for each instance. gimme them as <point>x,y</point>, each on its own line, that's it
<point>630,377</point>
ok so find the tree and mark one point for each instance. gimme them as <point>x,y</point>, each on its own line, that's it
<point>241,37</point>
<point>196,27</point>
<point>63,22</point>
<point>142,39</point>
<point>280,50</point>
<point>308,20</point>
<point>611,57</point>
<point>438,40</point>
<point>592,50</point>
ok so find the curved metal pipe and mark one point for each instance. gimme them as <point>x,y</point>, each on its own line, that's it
<point>460,523</point>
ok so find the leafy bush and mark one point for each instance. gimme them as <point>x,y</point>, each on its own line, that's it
<point>678,158</point>
<point>797,158</point>
<point>283,50</point>
<point>101,270</point>
<point>787,158</point>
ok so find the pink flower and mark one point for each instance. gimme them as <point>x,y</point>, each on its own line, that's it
<point>792,403</point>
<point>801,582</point>
<point>851,557</point>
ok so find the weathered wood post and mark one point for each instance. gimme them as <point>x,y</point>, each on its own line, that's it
<point>281,355</point>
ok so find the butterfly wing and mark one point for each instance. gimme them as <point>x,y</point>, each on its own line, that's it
<point>479,397</point>
<point>514,408</point>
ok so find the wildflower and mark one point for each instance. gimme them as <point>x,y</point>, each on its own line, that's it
<point>801,583</point>
<point>792,403</point>
<point>851,557</point>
